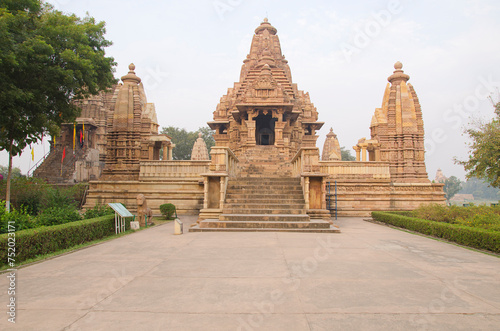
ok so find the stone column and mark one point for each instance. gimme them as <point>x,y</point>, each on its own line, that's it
<point>377,153</point>
<point>251,132</point>
<point>357,149</point>
<point>165,152</point>
<point>170,151</point>
<point>363,153</point>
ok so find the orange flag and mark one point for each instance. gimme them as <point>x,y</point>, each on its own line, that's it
<point>32,154</point>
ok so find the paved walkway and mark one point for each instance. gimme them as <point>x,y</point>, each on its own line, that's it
<point>369,277</point>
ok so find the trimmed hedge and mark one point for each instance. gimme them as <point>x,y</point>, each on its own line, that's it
<point>43,240</point>
<point>464,235</point>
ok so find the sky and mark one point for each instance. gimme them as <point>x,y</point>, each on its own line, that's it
<point>189,52</point>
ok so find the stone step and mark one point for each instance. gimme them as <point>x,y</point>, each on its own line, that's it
<point>257,191</point>
<point>248,211</point>
<point>264,217</point>
<point>270,200</point>
<point>270,179</point>
<point>245,205</point>
<point>252,198</point>
<point>268,185</point>
<point>197,228</point>
<point>277,225</point>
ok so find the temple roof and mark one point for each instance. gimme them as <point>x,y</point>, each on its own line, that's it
<point>400,104</point>
<point>265,79</point>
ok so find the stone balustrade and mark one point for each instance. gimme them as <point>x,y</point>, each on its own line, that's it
<point>157,170</point>
<point>346,170</point>
<point>306,161</point>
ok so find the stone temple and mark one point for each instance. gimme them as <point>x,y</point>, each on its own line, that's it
<point>265,171</point>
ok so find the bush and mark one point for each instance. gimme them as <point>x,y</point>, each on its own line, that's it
<point>465,235</point>
<point>57,215</point>
<point>17,218</point>
<point>33,242</point>
<point>97,211</point>
<point>28,192</point>
<point>167,210</point>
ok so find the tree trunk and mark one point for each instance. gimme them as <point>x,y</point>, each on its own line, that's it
<point>9,175</point>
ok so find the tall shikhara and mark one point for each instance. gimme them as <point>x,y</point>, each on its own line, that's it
<point>265,107</point>
<point>132,132</point>
<point>399,129</point>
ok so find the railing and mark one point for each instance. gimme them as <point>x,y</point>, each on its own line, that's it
<point>154,170</point>
<point>33,168</point>
<point>224,165</point>
<point>355,170</point>
<point>305,161</point>
<point>224,161</point>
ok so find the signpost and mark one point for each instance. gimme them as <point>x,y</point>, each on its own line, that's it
<point>120,214</point>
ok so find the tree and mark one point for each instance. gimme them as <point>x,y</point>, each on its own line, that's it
<point>480,189</point>
<point>184,140</point>
<point>46,60</point>
<point>346,154</point>
<point>451,187</point>
<point>16,172</point>
<point>484,159</point>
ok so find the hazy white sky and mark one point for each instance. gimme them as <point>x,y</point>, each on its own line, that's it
<point>188,52</point>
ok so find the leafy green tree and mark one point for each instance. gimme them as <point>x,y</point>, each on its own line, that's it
<point>47,59</point>
<point>346,154</point>
<point>451,187</point>
<point>484,158</point>
<point>184,140</point>
<point>16,172</point>
<point>480,189</point>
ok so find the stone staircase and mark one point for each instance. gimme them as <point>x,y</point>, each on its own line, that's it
<point>265,204</point>
<point>264,161</point>
<point>50,168</point>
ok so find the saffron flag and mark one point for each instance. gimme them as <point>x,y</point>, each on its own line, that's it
<point>74,137</point>
<point>32,154</point>
<point>83,129</point>
<point>64,154</point>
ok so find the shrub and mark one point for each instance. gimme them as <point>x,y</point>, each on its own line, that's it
<point>18,218</point>
<point>33,242</point>
<point>465,235</point>
<point>57,215</point>
<point>167,210</point>
<point>97,211</point>
<point>28,192</point>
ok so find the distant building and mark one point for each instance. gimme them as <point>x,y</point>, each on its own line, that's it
<point>462,197</point>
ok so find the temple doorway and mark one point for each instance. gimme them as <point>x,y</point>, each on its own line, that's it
<point>264,129</point>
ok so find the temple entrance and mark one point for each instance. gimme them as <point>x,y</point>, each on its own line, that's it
<point>264,129</point>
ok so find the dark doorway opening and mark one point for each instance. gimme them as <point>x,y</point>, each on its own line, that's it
<point>264,129</point>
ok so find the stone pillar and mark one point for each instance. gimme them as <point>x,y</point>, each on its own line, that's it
<point>251,131</point>
<point>357,149</point>
<point>377,153</point>
<point>278,134</point>
<point>363,153</point>
<point>170,151</point>
<point>165,152</point>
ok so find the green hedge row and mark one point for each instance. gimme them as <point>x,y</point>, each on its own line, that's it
<point>43,240</point>
<point>465,235</point>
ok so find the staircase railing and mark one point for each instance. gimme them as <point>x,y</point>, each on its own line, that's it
<point>35,166</point>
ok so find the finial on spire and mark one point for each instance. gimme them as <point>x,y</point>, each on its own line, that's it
<point>265,25</point>
<point>398,74</point>
<point>131,76</point>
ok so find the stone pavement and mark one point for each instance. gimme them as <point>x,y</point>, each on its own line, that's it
<point>369,277</point>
